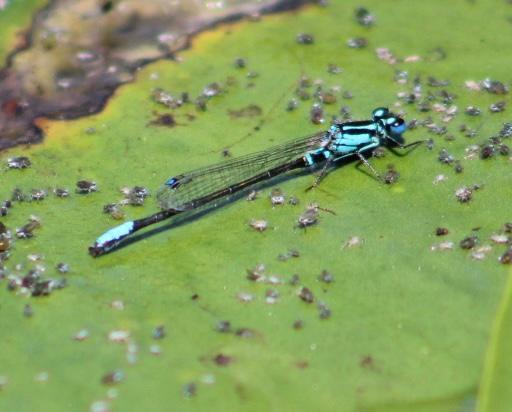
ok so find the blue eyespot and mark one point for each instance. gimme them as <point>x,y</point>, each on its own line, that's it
<point>380,113</point>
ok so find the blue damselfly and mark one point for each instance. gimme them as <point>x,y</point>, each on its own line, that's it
<point>192,190</point>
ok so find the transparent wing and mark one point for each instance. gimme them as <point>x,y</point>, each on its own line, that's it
<point>195,184</point>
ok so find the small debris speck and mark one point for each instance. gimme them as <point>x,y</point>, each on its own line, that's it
<point>240,63</point>
<point>222,360</point>
<point>223,326</point>
<point>189,390</point>
<point>81,335</point>
<point>112,378</point>
<point>245,297</point>
<point>357,42</point>
<point>479,253</point>
<point>446,245</point>
<point>500,238</point>
<point>353,241</point>
<point>326,277</point>
<point>364,17</point>
<point>61,192</point>
<point>28,311</point>
<point>62,267</point>
<point>259,225</point>
<point>298,324</point>
<point>277,197</point>
<point>20,162</point>
<point>119,336</point>
<point>442,231</point>
<point>306,295</point>
<point>117,304</point>
<point>469,242</point>
<point>159,332</point>
<point>86,186</point>
<point>323,311</point>
<point>498,106</point>
<point>464,194</point>
<point>506,258</point>
<point>305,38</point>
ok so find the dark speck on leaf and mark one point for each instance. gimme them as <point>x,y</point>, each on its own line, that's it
<point>223,326</point>
<point>38,194</point>
<point>85,187</point>
<point>494,86</point>
<point>317,114</point>
<point>212,89</point>
<point>487,151</point>
<point>357,43</point>
<point>61,192</point>
<point>240,63</point>
<point>445,157</point>
<point>112,378</point>
<point>472,111</point>
<point>28,311</point>
<point>323,311</point>
<point>166,120</point>
<point>305,38</point>
<point>469,242</point>
<point>334,68</point>
<point>62,267</point>
<point>506,258</point>
<point>442,231</point>
<point>504,150</point>
<point>292,105</point>
<point>506,130</point>
<point>306,295</point>
<point>302,364</point>
<point>201,104</point>
<point>498,107</point>
<point>367,362</point>
<point>189,390</point>
<point>159,332</point>
<point>20,162</point>
<point>298,324</point>
<point>245,333</point>
<point>222,360</point>
<point>326,277</point>
<point>391,176</point>
<point>364,17</point>
<point>464,194</point>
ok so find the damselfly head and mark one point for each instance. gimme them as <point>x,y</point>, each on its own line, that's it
<point>394,127</point>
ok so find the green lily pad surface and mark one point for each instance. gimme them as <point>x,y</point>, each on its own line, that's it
<point>404,325</point>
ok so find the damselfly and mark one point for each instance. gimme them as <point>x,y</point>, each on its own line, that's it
<point>192,190</point>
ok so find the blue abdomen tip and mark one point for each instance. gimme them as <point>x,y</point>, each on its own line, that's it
<point>115,233</point>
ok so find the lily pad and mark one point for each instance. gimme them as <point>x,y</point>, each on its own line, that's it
<point>408,321</point>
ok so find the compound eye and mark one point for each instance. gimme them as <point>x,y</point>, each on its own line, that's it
<point>398,126</point>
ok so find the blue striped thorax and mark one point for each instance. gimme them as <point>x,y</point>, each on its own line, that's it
<point>345,139</point>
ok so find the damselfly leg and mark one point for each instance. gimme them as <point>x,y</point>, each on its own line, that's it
<point>369,166</point>
<point>320,175</point>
